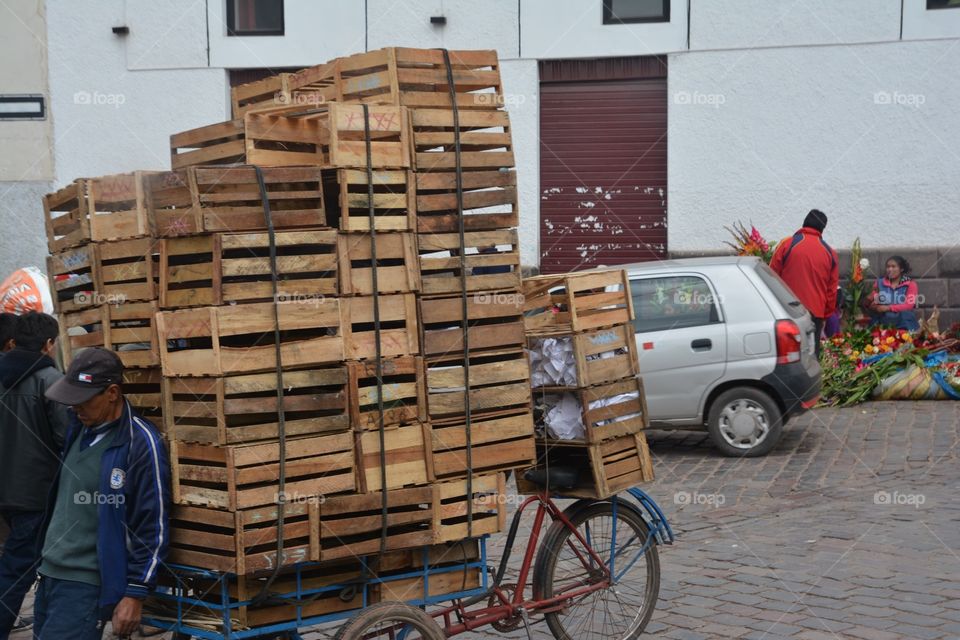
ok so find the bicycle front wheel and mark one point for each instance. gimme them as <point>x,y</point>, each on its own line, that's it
<point>622,609</point>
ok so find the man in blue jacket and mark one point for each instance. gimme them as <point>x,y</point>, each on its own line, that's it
<point>108,526</point>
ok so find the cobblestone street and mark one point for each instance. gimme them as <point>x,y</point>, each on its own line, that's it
<point>849,529</point>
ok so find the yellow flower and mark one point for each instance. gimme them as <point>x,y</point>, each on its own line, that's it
<point>868,348</point>
<point>855,353</point>
<point>891,339</point>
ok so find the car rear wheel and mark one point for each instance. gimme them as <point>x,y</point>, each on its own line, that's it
<point>744,422</point>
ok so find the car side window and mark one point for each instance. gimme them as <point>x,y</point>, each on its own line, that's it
<point>672,302</point>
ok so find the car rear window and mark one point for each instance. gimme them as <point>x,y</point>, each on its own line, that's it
<point>780,290</point>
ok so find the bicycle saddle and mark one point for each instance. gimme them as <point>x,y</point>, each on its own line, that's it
<point>553,477</point>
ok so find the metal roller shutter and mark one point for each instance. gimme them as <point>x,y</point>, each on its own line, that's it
<point>603,162</point>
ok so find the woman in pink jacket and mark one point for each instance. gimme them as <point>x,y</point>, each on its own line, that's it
<point>895,297</point>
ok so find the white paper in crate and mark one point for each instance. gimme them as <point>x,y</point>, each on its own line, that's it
<point>563,415</point>
<point>553,364</point>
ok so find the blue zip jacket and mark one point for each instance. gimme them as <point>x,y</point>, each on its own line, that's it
<point>133,532</point>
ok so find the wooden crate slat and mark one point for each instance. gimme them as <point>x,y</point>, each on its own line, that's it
<point>598,356</point>
<point>142,387</point>
<point>245,541</point>
<point>606,468</point>
<point>574,302</point>
<point>227,198</point>
<point>117,206</point>
<point>243,408</point>
<point>498,442</point>
<point>127,329</point>
<point>99,273</point>
<point>489,200</point>
<point>398,270</point>
<point>325,135</point>
<point>409,461</point>
<point>492,261</point>
<point>399,333</point>
<point>489,511</point>
<point>350,526</point>
<point>494,318</point>
<point>498,382</point>
<point>225,268</point>
<point>393,198</point>
<point>66,217</point>
<point>214,341</point>
<point>601,417</point>
<point>247,475</point>
<point>404,392</point>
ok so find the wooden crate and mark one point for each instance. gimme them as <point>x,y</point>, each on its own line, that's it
<point>128,329</point>
<point>399,333</point>
<point>404,392</point>
<point>488,498</point>
<point>247,475</point>
<point>225,268</point>
<point>598,356</point>
<point>489,200</point>
<point>485,140</point>
<point>237,409</point>
<point>492,260</point>
<point>207,596</point>
<point>495,323</point>
<point>312,86</point>
<point>117,206</point>
<point>216,341</point>
<point>418,78</point>
<point>397,268</point>
<point>66,217</point>
<point>142,387</point>
<point>499,383</point>
<point>103,273</point>
<point>574,302</point>
<point>351,526</point>
<point>348,199</point>
<point>223,198</point>
<point>606,468</point>
<point>601,418</point>
<point>498,442</point>
<point>409,460</point>
<point>330,135</point>
<point>243,541</point>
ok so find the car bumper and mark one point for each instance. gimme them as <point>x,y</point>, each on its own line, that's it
<point>798,387</point>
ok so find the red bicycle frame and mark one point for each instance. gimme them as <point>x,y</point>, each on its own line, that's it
<point>511,606</point>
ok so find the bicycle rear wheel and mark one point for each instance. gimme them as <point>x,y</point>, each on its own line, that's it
<point>619,611</point>
<point>390,621</point>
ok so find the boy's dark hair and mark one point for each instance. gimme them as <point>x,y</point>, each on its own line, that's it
<point>7,323</point>
<point>33,329</point>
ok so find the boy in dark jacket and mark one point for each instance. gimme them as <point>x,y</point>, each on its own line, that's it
<point>32,430</point>
<point>108,529</point>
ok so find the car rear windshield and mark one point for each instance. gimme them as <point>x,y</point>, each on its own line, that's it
<point>780,290</point>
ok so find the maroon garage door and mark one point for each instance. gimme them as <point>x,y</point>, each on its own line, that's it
<point>603,162</point>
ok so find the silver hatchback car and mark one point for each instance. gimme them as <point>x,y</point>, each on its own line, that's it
<point>724,345</point>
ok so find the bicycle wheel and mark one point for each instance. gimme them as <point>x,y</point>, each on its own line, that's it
<point>391,621</point>
<point>619,611</point>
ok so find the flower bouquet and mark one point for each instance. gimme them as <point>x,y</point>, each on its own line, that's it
<point>750,243</point>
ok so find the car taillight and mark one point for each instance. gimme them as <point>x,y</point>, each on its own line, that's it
<point>788,342</point>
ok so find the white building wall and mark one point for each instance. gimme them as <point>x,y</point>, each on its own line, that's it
<point>920,23</point>
<point>744,24</point>
<point>492,24</point>
<point>574,29</point>
<point>868,134</point>
<point>109,118</point>
<point>315,31</point>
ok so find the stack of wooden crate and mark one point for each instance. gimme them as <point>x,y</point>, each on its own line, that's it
<point>587,388</point>
<point>398,317</point>
<point>103,276</point>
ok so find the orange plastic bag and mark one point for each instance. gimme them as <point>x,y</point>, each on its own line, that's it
<point>26,290</point>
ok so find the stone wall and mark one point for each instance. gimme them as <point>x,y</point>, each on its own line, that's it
<point>936,270</point>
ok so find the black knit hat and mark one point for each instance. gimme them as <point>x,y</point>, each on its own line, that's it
<point>816,219</point>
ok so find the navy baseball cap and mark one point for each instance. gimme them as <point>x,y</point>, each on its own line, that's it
<point>92,371</point>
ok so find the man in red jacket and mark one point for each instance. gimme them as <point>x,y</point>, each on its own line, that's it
<point>809,266</point>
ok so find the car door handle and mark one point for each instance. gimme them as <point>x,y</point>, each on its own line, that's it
<point>703,344</point>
